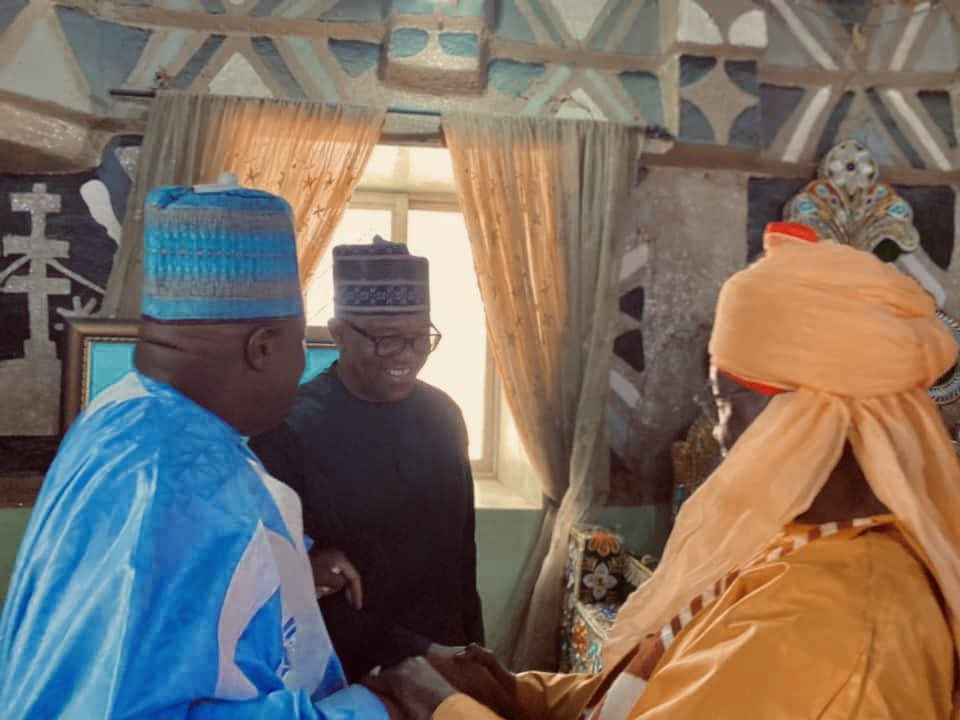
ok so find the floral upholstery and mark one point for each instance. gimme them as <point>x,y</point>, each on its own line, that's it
<point>588,627</point>
<point>599,576</point>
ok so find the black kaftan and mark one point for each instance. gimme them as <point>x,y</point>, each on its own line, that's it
<point>390,485</point>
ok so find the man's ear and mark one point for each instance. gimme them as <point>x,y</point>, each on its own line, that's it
<point>335,326</point>
<point>261,346</point>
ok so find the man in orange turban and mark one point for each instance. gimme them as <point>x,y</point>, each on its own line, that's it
<point>816,573</point>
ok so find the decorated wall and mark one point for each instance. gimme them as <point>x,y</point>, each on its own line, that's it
<point>753,93</point>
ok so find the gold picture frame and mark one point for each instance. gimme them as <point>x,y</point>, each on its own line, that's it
<point>83,336</point>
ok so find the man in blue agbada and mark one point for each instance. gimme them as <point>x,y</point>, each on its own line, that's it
<point>164,573</point>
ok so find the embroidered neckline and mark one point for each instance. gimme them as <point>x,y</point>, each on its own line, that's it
<point>789,541</point>
<point>629,678</point>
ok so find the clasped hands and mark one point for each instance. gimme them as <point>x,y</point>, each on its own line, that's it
<point>415,687</point>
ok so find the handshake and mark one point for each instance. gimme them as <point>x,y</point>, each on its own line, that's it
<point>414,688</point>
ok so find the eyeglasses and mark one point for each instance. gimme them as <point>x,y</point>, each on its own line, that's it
<point>388,345</point>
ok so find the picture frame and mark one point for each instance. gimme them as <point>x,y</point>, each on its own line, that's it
<point>99,352</point>
<point>86,339</point>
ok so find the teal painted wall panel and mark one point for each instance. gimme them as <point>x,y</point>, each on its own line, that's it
<point>460,44</point>
<point>462,8</point>
<point>106,52</point>
<point>407,42</point>
<point>644,35</point>
<point>644,88</point>
<point>13,521</point>
<point>504,540</point>
<point>512,25</point>
<point>355,11</point>
<point>9,9</point>
<point>512,77</point>
<point>644,528</point>
<point>354,56</point>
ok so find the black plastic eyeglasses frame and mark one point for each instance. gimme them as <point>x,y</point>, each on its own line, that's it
<point>396,344</point>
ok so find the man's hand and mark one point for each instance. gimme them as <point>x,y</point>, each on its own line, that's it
<point>393,710</point>
<point>476,671</point>
<point>332,572</point>
<point>414,685</point>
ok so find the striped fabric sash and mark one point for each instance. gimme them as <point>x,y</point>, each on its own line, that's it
<point>627,680</point>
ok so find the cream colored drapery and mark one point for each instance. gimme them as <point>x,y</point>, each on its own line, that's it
<point>543,200</point>
<point>311,154</point>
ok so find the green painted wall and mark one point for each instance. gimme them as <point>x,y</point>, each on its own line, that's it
<point>644,528</point>
<point>504,539</point>
<point>13,521</point>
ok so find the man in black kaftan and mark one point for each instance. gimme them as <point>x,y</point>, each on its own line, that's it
<point>380,462</point>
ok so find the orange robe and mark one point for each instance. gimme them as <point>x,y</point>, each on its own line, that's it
<point>849,626</point>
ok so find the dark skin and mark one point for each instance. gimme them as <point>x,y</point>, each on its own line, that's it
<point>414,686</point>
<point>846,494</point>
<point>245,373</point>
<point>419,689</point>
<point>362,371</point>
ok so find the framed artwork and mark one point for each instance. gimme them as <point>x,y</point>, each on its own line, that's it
<point>100,352</point>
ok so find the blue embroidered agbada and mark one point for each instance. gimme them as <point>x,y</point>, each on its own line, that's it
<point>164,575</point>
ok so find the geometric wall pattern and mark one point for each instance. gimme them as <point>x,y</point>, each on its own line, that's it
<point>58,238</point>
<point>526,55</point>
<point>785,79</point>
<point>934,212</point>
<point>884,75</point>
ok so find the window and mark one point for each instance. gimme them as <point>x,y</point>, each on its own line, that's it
<point>417,205</point>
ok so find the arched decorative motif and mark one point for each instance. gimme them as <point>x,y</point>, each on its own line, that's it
<point>847,205</point>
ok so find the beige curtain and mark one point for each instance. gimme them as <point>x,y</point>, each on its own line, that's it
<point>543,200</point>
<point>311,154</point>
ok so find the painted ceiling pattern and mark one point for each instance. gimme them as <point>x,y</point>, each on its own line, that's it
<point>784,77</point>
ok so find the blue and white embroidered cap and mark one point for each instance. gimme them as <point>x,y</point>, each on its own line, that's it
<point>221,255</point>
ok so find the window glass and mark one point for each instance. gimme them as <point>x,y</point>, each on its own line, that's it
<point>459,364</point>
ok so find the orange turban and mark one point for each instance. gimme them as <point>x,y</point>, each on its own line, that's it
<point>855,344</point>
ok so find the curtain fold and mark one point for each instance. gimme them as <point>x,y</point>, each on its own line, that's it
<point>543,202</point>
<point>311,154</point>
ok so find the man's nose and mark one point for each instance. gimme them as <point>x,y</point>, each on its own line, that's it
<point>407,352</point>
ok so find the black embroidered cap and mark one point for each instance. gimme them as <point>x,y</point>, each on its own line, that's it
<point>379,278</point>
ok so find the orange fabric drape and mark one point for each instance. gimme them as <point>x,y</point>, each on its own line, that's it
<point>542,201</point>
<point>855,343</point>
<point>311,154</point>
